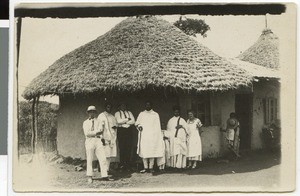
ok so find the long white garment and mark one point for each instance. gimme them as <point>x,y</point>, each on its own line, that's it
<point>177,145</point>
<point>178,161</point>
<point>167,147</point>
<point>160,161</point>
<point>194,140</point>
<point>150,141</point>
<point>106,122</point>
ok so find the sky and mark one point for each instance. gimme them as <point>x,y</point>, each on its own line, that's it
<point>43,41</point>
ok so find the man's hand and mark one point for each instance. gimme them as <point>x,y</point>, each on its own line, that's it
<point>99,131</point>
<point>140,128</point>
<point>199,125</point>
<point>111,144</point>
<point>103,141</point>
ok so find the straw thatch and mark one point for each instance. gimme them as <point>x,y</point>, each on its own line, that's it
<point>135,54</point>
<point>264,52</point>
<point>256,71</point>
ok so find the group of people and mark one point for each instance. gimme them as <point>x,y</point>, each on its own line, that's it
<point>174,147</point>
<point>109,137</point>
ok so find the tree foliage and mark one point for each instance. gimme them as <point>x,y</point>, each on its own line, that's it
<point>47,122</point>
<point>192,26</point>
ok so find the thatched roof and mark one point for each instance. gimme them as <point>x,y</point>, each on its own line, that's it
<point>256,71</point>
<point>137,53</point>
<point>264,52</point>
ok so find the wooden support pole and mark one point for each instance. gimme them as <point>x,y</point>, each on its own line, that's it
<point>33,127</point>
<point>266,21</point>
<point>19,24</point>
<point>36,124</point>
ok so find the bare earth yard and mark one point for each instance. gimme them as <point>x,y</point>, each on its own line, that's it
<point>255,171</point>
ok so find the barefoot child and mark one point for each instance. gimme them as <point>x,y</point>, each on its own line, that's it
<point>232,134</point>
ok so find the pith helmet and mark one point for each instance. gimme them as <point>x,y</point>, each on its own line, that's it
<point>91,108</point>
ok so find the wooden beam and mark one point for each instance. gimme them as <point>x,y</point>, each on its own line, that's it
<point>19,25</point>
<point>133,9</point>
<point>33,138</point>
<point>36,124</point>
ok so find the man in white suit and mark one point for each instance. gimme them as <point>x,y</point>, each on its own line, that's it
<point>94,145</point>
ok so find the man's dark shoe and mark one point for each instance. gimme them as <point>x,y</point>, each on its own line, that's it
<point>107,179</point>
<point>150,171</point>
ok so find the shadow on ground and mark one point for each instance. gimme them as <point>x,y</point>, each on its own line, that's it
<point>64,177</point>
<point>249,162</point>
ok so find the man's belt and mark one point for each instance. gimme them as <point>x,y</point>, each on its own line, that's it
<point>99,136</point>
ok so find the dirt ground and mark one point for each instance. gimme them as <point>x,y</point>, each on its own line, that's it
<point>254,171</point>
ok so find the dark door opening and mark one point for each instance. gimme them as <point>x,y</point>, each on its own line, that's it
<point>243,110</point>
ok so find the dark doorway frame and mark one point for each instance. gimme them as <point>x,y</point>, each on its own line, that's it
<point>244,113</point>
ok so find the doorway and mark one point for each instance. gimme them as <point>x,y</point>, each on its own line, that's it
<point>243,110</point>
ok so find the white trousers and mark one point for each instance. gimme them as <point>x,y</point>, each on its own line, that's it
<point>95,146</point>
<point>151,163</point>
<point>108,163</point>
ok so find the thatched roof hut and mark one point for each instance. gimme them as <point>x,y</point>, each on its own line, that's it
<point>264,52</point>
<point>149,57</point>
<point>138,53</point>
<point>257,71</point>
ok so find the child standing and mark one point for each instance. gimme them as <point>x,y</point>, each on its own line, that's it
<point>232,134</point>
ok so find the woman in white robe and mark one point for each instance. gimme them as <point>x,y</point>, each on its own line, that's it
<point>150,140</point>
<point>194,140</point>
<point>108,124</point>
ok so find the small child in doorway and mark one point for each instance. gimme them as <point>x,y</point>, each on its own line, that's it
<point>232,133</point>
